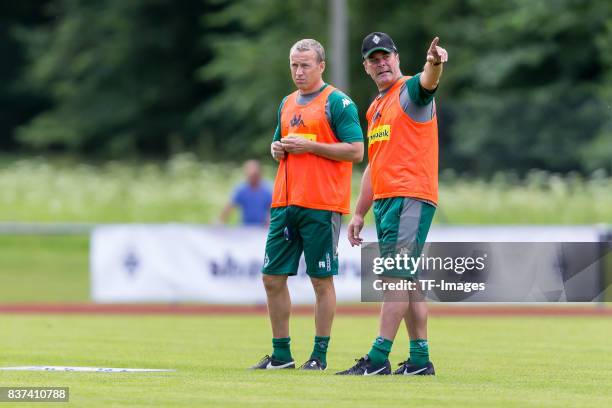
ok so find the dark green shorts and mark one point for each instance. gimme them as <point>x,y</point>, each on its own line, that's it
<point>402,225</point>
<point>314,232</point>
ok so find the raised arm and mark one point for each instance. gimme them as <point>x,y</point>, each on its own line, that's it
<point>432,71</point>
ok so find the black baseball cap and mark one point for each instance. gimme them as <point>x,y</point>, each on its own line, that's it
<point>377,41</point>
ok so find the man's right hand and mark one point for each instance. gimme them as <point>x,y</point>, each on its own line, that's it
<point>354,229</point>
<point>277,150</point>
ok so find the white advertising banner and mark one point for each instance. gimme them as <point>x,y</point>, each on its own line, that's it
<point>183,263</point>
<point>178,263</point>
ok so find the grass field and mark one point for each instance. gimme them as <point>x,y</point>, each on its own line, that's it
<point>186,190</point>
<point>44,269</point>
<point>481,362</point>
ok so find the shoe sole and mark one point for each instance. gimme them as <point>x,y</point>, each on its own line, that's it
<point>283,367</point>
<point>418,372</point>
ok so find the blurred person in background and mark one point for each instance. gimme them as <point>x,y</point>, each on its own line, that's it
<point>317,140</point>
<point>253,196</point>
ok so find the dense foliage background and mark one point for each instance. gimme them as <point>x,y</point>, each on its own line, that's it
<point>528,84</point>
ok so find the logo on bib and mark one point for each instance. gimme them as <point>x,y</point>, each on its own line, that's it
<point>378,134</point>
<point>309,136</point>
<point>297,121</point>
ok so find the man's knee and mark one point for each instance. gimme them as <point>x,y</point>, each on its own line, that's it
<point>418,308</point>
<point>274,283</point>
<point>323,286</point>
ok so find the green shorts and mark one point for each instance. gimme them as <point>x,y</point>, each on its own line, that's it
<point>314,232</point>
<point>402,225</point>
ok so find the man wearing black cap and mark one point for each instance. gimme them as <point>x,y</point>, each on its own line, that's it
<point>401,182</point>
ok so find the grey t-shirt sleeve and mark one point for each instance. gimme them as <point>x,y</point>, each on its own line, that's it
<point>418,102</point>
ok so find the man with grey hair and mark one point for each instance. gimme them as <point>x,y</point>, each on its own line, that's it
<point>309,44</point>
<point>317,139</point>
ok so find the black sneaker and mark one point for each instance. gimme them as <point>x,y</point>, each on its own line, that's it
<point>314,364</point>
<point>407,368</point>
<point>270,363</point>
<point>365,367</point>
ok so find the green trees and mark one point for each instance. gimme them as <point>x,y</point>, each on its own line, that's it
<point>18,102</point>
<point>526,91</point>
<point>528,84</point>
<point>120,75</point>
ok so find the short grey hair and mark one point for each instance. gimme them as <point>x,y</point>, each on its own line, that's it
<point>308,44</point>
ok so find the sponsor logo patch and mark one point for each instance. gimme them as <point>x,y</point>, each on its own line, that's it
<point>309,136</point>
<point>379,134</point>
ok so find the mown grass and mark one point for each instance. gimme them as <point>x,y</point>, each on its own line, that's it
<point>44,269</point>
<point>480,362</point>
<point>186,190</point>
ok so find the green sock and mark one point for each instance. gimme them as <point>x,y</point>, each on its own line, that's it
<point>379,353</point>
<point>282,351</point>
<point>419,352</point>
<point>320,348</point>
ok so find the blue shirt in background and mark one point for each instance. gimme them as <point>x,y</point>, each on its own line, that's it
<point>254,202</point>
